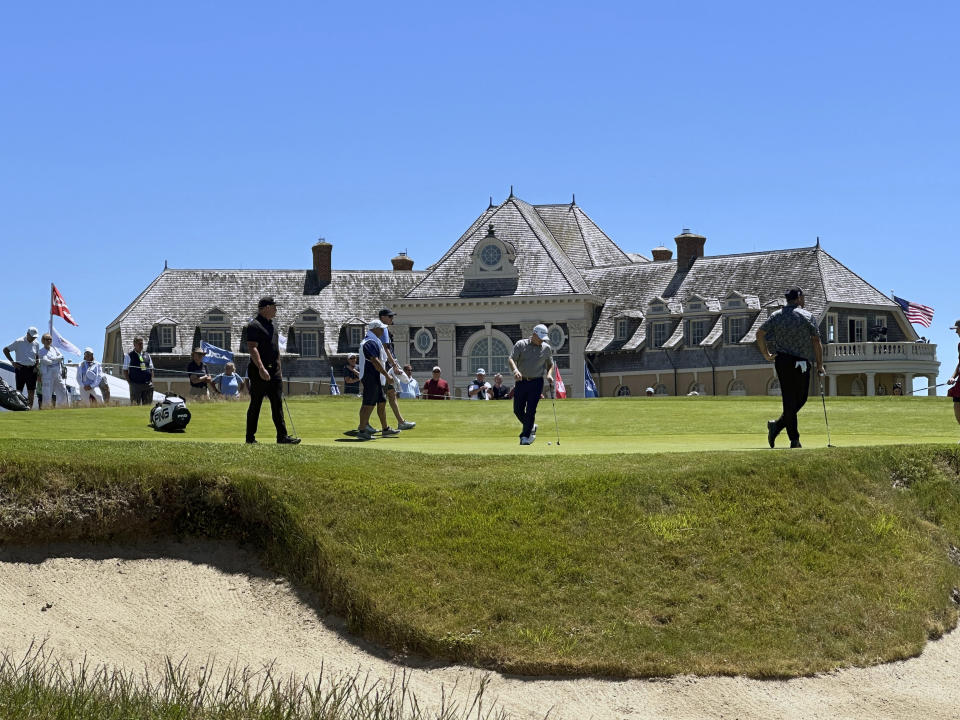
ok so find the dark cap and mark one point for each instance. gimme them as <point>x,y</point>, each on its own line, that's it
<point>264,301</point>
<point>386,311</point>
<point>792,294</point>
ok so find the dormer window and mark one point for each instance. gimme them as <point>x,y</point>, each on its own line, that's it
<point>490,255</point>
<point>491,258</point>
<point>696,306</point>
<point>356,335</point>
<point>734,301</point>
<point>310,318</point>
<point>215,329</point>
<point>623,326</point>
<point>658,308</point>
<point>167,336</point>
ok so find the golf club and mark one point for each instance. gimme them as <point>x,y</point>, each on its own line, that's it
<point>823,400</point>
<point>555,422</point>
<point>292,426</point>
<point>930,387</point>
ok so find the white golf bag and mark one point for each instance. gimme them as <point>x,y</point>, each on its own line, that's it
<point>171,415</point>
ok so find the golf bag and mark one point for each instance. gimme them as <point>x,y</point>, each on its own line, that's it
<point>171,415</point>
<point>10,398</point>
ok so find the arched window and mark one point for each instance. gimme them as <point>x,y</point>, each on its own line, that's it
<point>623,391</point>
<point>738,388</point>
<point>698,387</point>
<point>773,387</point>
<point>489,352</point>
<point>856,388</point>
<point>660,389</point>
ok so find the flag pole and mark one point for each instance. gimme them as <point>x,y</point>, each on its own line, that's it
<point>51,308</point>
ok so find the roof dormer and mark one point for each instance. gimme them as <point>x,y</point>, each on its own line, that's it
<point>658,306</point>
<point>491,258</point>
<point>695,305</point>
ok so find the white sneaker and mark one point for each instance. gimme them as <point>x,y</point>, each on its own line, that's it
<point>406,425</point>
<point>528,440</point>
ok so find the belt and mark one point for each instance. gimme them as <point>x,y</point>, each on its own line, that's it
<point>529,379</point>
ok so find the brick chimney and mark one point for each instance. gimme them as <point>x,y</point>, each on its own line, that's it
<point>662,253</point>
<point>321,262</point>
<point>689,248</point>
<point>401,263</point>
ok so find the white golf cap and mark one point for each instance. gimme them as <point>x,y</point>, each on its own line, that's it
<point>541,332</point>
<point>481,371</point>
<point>32,332</point>
<point>376,325</point>
<point>88,350</point>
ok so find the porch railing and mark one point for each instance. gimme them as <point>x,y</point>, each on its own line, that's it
<point>879,351</point>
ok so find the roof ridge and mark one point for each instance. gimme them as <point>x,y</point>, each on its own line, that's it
<point>869,285</point>
<point>586,246</point>
<point>603,232</point>
<point>523,214</point>
<point>487,213</point>
<point>123,313</point>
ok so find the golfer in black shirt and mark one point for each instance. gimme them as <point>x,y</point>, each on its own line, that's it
<point>263,344</point>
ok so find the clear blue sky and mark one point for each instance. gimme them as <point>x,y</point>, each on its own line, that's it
<point>236,134</point>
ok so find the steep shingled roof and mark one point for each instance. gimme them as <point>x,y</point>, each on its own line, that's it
<point>187,295</point>
<point>763,274</point>
<point>554,244</point>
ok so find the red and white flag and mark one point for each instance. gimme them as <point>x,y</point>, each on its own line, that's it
<point>561,389</point>
<point>59,307</point>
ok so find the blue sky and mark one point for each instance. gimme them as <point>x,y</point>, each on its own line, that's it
<point>234,135</point>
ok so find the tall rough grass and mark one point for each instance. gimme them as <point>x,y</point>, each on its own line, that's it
<point>38,686</point>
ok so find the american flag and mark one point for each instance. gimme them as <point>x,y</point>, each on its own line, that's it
<point>917,314</point>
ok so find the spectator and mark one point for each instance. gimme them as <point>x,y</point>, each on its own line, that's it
<point>200,380</point>
<point>436,388</point>
<point>386,319</point>
<point>649,392</point>
<point>229,383</point>
<point>52,373</point>
<point>410,390</point>
<point>89,378</point>
<point>499,391</point>
<point>138,372</point>
<point>25,366</point>
<point>897,389</point>
<point>479,389</point>
<point>351,376</point>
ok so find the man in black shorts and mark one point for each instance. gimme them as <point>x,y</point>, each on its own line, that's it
<point>263,344</point>
<point>374,378</point>
<point>25,367</point>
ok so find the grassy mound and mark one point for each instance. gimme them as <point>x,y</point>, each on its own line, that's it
<point>773,563</point>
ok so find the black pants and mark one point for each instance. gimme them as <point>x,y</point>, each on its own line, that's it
<point>794,388</point>
<point>272,389</point>
<point>526,397</point>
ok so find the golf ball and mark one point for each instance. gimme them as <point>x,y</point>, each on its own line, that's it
<point>549,443</point>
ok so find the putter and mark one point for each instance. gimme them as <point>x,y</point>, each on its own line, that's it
<point>823,400</point>
<point>557,424</point>
<point>292,426</point>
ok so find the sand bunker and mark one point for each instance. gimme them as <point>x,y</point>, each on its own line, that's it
<point>132,606</point>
